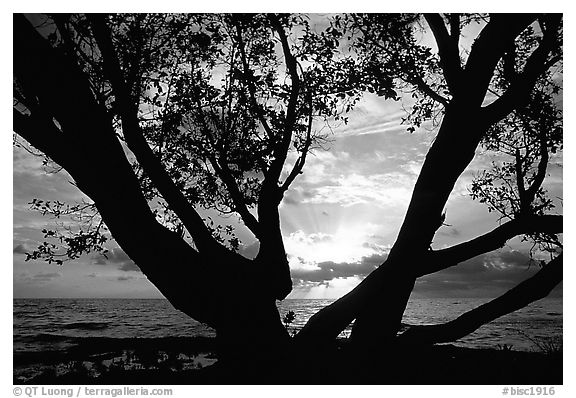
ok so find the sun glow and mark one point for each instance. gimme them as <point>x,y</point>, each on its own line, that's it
<point>334,289</point>
<point>347,244</point>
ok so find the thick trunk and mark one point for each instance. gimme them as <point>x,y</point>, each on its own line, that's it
<point>251,331</point>
<point>379,319</point>
<point>381,292</point>
<point>378,303</point>
<point>272,255</point>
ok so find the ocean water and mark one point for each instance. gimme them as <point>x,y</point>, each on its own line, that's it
<point>48,325</point>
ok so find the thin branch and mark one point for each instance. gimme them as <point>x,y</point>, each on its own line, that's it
<point>414,79</point>
<point>225,174</point>
<point>419,82</point>
<point>281,149</point>
<point>299,164</point>
<point>541,173</point>
<point>524,203</point>
<point>447,50</point>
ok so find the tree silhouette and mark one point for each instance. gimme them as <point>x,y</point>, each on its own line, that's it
<point>174,113</point>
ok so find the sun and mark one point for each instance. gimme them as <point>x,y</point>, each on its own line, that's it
<point>348,244</point>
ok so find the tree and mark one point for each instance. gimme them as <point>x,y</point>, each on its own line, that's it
<point>202,111</point>
<point>508,66</point>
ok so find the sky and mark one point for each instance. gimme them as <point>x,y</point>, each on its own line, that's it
<point>339,220</point>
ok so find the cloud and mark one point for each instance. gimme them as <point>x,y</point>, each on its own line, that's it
<point>250,251</point>
<point>129,266</point>
<point>21,249</point>
<point>450,232</point>
<point>328,270</point>
<point>291,198</point>
<point>489,274</point>
<point>37,278</point>
<point>124,278</point>
<point>118,258</point>
<point>31,179</point>
<point>46,276</point>
<point>385,190</point>
<point>348,244</point>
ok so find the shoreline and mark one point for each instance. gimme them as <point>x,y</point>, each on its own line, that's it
<point>194,361</point>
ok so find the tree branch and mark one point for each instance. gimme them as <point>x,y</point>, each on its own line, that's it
<point>222,170</point>
<point>426,89</point>
<point>128,109</point>
<point>297,169</point>
<point>541,172</point>
<point>240,207</point>
<point>248,74</point>
<point>415,78</point>
<point>39,85</point>
<point>454,20</point>
<point>448,50</point>
<point>524,203</point>
<point>532,289</point>
<point>518,93</point>
<point>494,40</point>
<point>42,134</point>
<point>281,149</point>
<point>445,258</point>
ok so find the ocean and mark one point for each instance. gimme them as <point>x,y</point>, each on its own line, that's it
<point>48,326</point>
<point>57,324</point>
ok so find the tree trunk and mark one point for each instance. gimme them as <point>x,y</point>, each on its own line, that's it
<point>251,332</point>
<point>378,303</point>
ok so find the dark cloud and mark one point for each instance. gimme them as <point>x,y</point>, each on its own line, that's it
<point>482,276</point>
<point>48,186</point>
<point>92,275</point>
<point>21,249</point>
<point>129,266</point>
<point>250,251</point>
<point>100,260</point>
<point>515,258</point>
<point>117,257</point>
<point>46,276</point>
<point>124,278</point>
<point>325,213</point>
<point>487,275</point>
<point>38,278</point>
<point>329,270</point>
<point>291,198</point>
<point>450,232</point>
